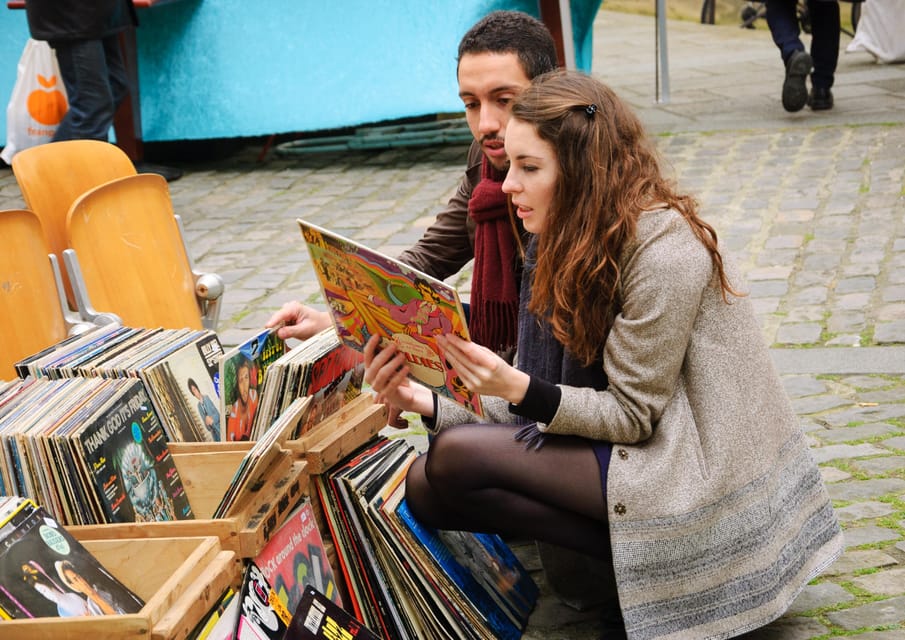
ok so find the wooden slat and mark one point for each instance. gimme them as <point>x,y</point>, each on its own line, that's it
<point>351,434</point>
<point>180,579</point>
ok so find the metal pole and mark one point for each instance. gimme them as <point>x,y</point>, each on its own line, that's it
<point>568,41</point>
<point>662,79</point>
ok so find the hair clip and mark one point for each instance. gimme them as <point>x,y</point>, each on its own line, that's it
<point>591,109</point>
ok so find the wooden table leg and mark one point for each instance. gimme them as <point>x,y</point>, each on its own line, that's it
<point>127,120</point>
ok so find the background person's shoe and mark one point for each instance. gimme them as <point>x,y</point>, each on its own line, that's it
<point>820,99</point>
<point>794,88</point>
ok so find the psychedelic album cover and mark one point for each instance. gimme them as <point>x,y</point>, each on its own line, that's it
<point>369,293</point>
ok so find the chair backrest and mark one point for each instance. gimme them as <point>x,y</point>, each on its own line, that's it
<point>51,176</point>
<point>131,253</point>
<point>31,317</point>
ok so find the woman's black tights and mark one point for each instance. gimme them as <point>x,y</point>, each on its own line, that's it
<point>478,478</point>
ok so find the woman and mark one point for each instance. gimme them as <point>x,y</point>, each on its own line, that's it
<point>635,341</point>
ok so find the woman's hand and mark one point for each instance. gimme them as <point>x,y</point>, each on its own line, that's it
<point>483,371</point>
<point>387,373</point>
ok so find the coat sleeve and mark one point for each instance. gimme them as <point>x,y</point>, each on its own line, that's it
<point>664,276</point>
<point>447,245</point>
<point>449,413</point>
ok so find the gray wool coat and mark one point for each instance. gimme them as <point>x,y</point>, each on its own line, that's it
<point>718,515</point>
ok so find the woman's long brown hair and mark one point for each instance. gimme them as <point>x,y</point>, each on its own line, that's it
<point>609,175</point>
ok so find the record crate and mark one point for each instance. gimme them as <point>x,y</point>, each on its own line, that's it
<point>328,442</point>
<point>180,579</point>
<point>206,476</point>
<point>207,468</point>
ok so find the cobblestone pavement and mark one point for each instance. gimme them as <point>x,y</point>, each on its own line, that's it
<point>812,206</point>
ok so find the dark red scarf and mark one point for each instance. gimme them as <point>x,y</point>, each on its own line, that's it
<point>493,318</point>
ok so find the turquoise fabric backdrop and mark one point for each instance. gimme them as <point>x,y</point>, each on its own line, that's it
<point>228,68</point>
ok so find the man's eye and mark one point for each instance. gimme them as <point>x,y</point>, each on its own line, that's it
<point>471,105</point>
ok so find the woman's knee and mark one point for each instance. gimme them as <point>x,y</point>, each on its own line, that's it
<point>451,457</point>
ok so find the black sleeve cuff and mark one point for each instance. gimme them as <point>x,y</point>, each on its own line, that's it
<point>430,423</point>
<point>540,403</point>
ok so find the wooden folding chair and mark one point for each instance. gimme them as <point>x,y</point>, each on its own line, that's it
<point>51,176</point>
<point>33,311</point>
<point>128,256</point>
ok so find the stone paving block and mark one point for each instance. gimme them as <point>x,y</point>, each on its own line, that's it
<point>893,294</point>
<point>886,464</point>
<point>860,432</point>
<point>802,385</point>
<point>816,596</point>
<point>857,536</point>
<point>805,313</point>
<point>890,332</point>
<point>845,451</point>
<point>865,489</point>
<point>865,413</point>
<point>893,634</point>
<point>895,443</point>
<point>890,582</point>
<point>864,511</point>
<point>832,474</point>
<point>799,333</point>
<point>856,560</point>
<point>845,340</point>
<point>788,628</point>
<point>893,395</point>
<point>817,403</point>
<point>874,614</point>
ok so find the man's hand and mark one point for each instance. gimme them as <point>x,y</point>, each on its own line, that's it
<point>299,321</point>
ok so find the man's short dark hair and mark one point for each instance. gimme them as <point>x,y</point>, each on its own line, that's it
<point>513,32</point>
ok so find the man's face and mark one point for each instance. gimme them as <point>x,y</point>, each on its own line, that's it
<point>488,82</point>
<point>243,381</point>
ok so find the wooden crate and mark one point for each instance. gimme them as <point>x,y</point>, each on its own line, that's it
<point>180,580</point>
<point>328,442</point>
<point>206,476</point>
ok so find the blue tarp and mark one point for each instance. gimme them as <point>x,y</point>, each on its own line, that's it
<point>230,68</point>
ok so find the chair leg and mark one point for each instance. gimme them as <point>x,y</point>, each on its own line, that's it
<point>80,292</point>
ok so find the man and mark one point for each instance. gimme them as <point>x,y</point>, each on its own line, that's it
<point>208,411</point>
<point>85,37</point>
<point>497,59</point>
<point>782,18</point>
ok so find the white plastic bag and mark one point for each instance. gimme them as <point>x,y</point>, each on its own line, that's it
<point>38,102</point>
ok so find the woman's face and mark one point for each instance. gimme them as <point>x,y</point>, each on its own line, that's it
<point>532,176</point>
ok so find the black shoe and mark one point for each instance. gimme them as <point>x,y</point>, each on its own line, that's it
<point>820,99</point>
<point>169,173</point>
<point>794,89</point>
